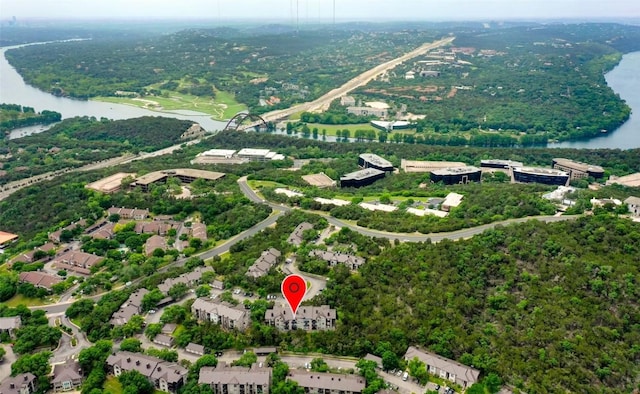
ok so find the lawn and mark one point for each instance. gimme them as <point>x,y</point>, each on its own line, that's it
<point>20,299</point>
<point>112,386</point>
<point>332,128</point>
<point>258,184</point>
<point>222,107</point>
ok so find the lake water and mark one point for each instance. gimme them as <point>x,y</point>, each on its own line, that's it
<point>624,79</point>
<point>13,90</point>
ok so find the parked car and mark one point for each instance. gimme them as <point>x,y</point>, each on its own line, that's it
<point>437,387</point>
<point>405,376</point>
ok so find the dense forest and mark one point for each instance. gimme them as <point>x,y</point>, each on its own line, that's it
<point>82,140</point>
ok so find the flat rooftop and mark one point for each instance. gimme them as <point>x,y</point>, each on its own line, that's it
<point>188,172</point>
<point>541,171</point>
<point>219,152</point>
<point>506,163</point>
<point>361,174</point>
<point>426,166</point>
<point>632,180</point>
<point>253,152</point>
<point>576,165</point>
<point>456,170</point>
<point>7,237</point>
<point>319,180</point>
<point>109,183</point>
<point>375,159</point>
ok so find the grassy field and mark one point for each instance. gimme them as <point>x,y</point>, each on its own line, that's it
<point>112,386</point>
<point>332,128</point>
<point>222,107</point>
<point>20,299</point>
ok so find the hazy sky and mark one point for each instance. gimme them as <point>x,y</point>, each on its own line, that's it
<point>314,10</point>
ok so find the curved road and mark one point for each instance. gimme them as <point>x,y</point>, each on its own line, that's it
<point>406,237</point>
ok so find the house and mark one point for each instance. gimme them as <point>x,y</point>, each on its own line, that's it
<point>218,285</point>
<point>66,376</point>
<point>225,379</point>
<point>296,236</point>
<point>263,264</point>
<point>194,348</point>
<point>224,314</point>
<point>347,101</point>
<point>308,318</point>
<point>327,383</point>
<point>443,367</point>
<point>190,279</point>
<point>39,279</point>
<point>130,308</point>
<point>30,257</point>
<point>169,328</point>
<point>163,340</point>
<point>25,383</point>
<point>129,213</point>
<point>10,325</point>
<point>76,261</point>
<point>634,205</point>
<point>153,243</point>
<point>452,200</point>
<point>55,236</point>
<point>163,375</point>
<point>199,231</point>
<point>334,258</point>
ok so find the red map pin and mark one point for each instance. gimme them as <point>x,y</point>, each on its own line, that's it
<point>293,289</point>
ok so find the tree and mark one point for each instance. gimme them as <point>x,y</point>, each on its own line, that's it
<point>37,364</point>
<point>178,291</point>
<point>152,330</point>
<point>135,382</point>
<point>114,218</point>
<point>151,299</point>
<point>174,314</point>
<point>203,291</point>
<point>95,356</point>
<point>8,286</point>
<point>131,345</point>
<point>246,360</point>
<point>80,308</point>
<point>390,361</point>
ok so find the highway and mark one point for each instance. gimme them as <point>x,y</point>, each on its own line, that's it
<point>361,80</point>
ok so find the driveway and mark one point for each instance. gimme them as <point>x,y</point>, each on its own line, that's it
<point>8,359</point>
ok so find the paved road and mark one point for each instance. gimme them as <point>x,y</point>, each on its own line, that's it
<point>413,237</point>
<point>360,80</point>
<point>5,364</point>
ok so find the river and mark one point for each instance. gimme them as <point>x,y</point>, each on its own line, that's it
<point>13,90</point>
<point>623,79</point>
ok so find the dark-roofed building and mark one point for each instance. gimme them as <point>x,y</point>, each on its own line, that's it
<point>334,258</point>
<point>131,307</point>
<point>263,264</point>
<point>296,236</point>
<point>194,348</point>
<point>443,367</point>
<point>578,170</point>
<point>25,383</point>
<point>456,175</point>
<point>225,379</point>
<point>308,318</point>
<point>66,376</point>
<point>361,178</point>
<point>499,164</point>
<point>327,383</point>
<point>163,375</point>
<point>39,279</point>
<point>547,176</point>
<point>222,313</point>
<point>10,324</point>
<point>369,160</point>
